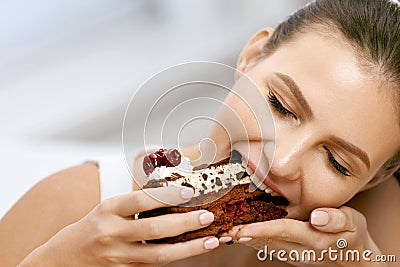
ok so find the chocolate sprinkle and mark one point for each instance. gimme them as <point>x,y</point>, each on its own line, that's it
<point>204,186</point>
<point>187,185</point>
<point>156,183</point>
<point>239,175</point>
<point>175,174</point>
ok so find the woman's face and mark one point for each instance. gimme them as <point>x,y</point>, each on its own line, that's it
<point>334,124</point>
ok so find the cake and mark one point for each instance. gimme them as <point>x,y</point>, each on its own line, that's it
<point>224,188</point>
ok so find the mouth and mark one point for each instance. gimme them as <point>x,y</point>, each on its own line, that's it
<point>259,183</point>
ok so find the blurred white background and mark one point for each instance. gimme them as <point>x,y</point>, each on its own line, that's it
<point>69,68</point>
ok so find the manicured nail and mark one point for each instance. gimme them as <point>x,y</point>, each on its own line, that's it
<point>225,239</point>
<point>244,239</point>
<point>206,218</point>
<point>319,218</point>
<point>211,243</point>
<point>187,193</point>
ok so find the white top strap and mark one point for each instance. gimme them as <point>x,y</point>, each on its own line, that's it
<point>114,176</point>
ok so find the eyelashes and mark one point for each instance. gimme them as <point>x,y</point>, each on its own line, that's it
<point>336,165</point>
<point>274,101</point>
<point>279,107</point>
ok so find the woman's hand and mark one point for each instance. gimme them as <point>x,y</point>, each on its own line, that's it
<point>340,229</point>
<point>109,236</point>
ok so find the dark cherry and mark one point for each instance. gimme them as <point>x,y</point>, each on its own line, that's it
<point>147,165</point>
<point>172,157</point>
<point>150,162</point>
<point>161,152</point>
<point>161,157</point>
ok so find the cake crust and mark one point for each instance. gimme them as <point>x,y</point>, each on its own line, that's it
<point>234,206</point>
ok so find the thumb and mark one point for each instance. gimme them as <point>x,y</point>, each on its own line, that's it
<point>332,220</point>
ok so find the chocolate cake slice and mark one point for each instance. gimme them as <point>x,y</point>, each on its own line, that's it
<point>221,188</point>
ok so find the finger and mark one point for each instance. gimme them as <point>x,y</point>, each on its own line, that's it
<point>281,229</point>
<point>165,253</point>
<point>227,237</point>
<point>167,225</point>
<point>147,199</point>
<point>331,220</point>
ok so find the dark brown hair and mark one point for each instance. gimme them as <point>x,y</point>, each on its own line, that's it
<point>370,27</point>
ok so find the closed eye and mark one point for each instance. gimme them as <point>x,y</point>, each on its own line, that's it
<point>278,106</point>
<point>336,165</point>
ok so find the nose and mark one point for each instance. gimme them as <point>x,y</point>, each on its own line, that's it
<point>290,154</point>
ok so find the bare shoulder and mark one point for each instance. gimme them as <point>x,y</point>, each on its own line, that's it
<point>58,200</point>
<point>381,207</point>
<point>68,194</point>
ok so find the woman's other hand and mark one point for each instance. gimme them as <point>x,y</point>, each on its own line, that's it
<point>339,229</point>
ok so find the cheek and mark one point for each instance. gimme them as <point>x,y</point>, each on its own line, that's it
<point>319,197</point>
<point>241,119</point>
<point>321,188</point>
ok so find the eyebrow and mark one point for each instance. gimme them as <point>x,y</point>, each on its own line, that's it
<point>295,89</point>
<point>352,149</point>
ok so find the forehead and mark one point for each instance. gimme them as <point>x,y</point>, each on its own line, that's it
<point>346,101</point>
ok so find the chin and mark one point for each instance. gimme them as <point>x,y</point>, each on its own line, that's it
<point>297,213</point>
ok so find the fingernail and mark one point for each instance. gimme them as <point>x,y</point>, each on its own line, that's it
<point>319,218</point>
<point>225,239</point>
<point>206,218</point>
<point>187,193</point>
<point>244,239</point>
<point>211,243</point>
